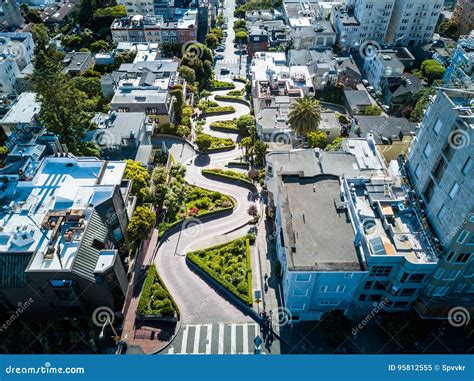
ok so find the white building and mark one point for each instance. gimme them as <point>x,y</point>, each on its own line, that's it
<point>380,66</point>
<point>16,52</point>
<point>397,22</point>
<point>413,22</point>
<point>369,248</point>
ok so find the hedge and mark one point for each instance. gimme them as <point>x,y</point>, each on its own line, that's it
<point>220,110</point>
<point>225,126</point>
<point>228,174</point>
<point>240,164</point>
<point>155,290</point>
<point>222,85</point>
<point>195,258</point>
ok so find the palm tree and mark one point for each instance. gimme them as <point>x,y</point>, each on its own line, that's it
<point>305,115</point>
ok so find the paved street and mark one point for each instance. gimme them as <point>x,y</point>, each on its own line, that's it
<point>216,339</point>
<point>231,58</point>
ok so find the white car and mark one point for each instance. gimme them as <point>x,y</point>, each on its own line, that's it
<point>365,82</point>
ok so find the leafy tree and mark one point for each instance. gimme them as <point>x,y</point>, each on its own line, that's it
<point>240,24</point>
<point>212,41</point>
<point>305,115</point>
<point>373,110</point>
<point>203,141</point>
<point>30,15</point>
<point>139,176</point>
<point>246,144</point>
<point>252,210</point>
<point>241,36</point>
<point>169,50</point>
<point>218,32</point>
<point>188,74</point>
<point>245,124</point>
<point>72,42</point>
<point>317,139</point>
<point>418,111</point>
<point>178,104</point>
<point>260,151</point>
<point>99,45</point>
<point>199,58</point>
<point>335,145</point>
<point>449,28</point>
<point>432,70</point>
<point>140,226</point>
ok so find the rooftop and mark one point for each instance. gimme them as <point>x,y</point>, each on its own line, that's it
<point>23,110</point>
<point>357,98</point>
<point>314,242</point>
<point>47,214</point>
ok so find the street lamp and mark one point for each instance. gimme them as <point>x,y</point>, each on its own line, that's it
<point>108,322</point>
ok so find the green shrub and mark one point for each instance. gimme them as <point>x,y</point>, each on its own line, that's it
<point>222,84</point>
<point>229,265</point>
<point>229,174</point>
<point>155,298</point>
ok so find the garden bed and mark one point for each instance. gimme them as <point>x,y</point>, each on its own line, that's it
<point>228,174</point>
<point>229,265</point>
<point>221,85</point>
<point>225,126</point>
<point>156,301</point>
<point>200,202</point>
<point>232,98</point>
<point>217,144</point>
<point>220,110</point>
<point>238,164</point>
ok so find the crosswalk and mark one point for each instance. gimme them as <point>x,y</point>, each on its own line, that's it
<point>215,339</point>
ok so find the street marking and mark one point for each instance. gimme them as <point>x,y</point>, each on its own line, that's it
<point>196,339</point>
<point>246,339</point>
<point>221,339</point>
<point>233,349</point>
<point>185,340</point>
<point>208,339</point>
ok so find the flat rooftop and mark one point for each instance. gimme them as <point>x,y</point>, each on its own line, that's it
<point>317,236</point>
<point>23,110</point>
<point>47,214</point>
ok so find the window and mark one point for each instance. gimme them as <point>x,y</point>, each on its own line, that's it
<point>441,212</point>
<point>462,237</point>
<point>375,298</point>
<point>300,292</point>
<point>454,190</point>
<point>417,278</point>
<point>302,277</point>
<point>449,256</point>
<point>400,304</point>
<point>451,275</point>
<point>362,297</point>
<point>462,258</point>
<point>297,306</point>
<point>438,274</point>
<point>437,127</point>
<point>440,291</point>
<point>429,189</point>
<point>427,150</point>
<point>348,275</point>
<point>459,288</point>
<point>418,171</point>
<point>408,292</point>
<point>328,303</point>
<point>467,166</point>
<point>380,270</point>
<point>404,277</point>
<point>338,289</point>
<point>368,285</point>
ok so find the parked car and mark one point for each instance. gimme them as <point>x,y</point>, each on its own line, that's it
<point>365,82</point>
<point>225,70</point>
<point>219,56</point>
<point>220,48</point>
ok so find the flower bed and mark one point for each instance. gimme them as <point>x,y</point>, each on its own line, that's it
<point>229,265</point>
<point>226,126</point>
<point>156,299</point>
<point>220,110</point>
<point>215,143</point>
<point>222,85</point>
<point>228,174</point>
<point>199,202</point>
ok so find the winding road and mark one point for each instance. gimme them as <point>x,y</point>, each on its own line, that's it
<point>197,300</point>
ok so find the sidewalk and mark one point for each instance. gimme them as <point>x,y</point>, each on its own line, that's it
<point>151,337</point>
